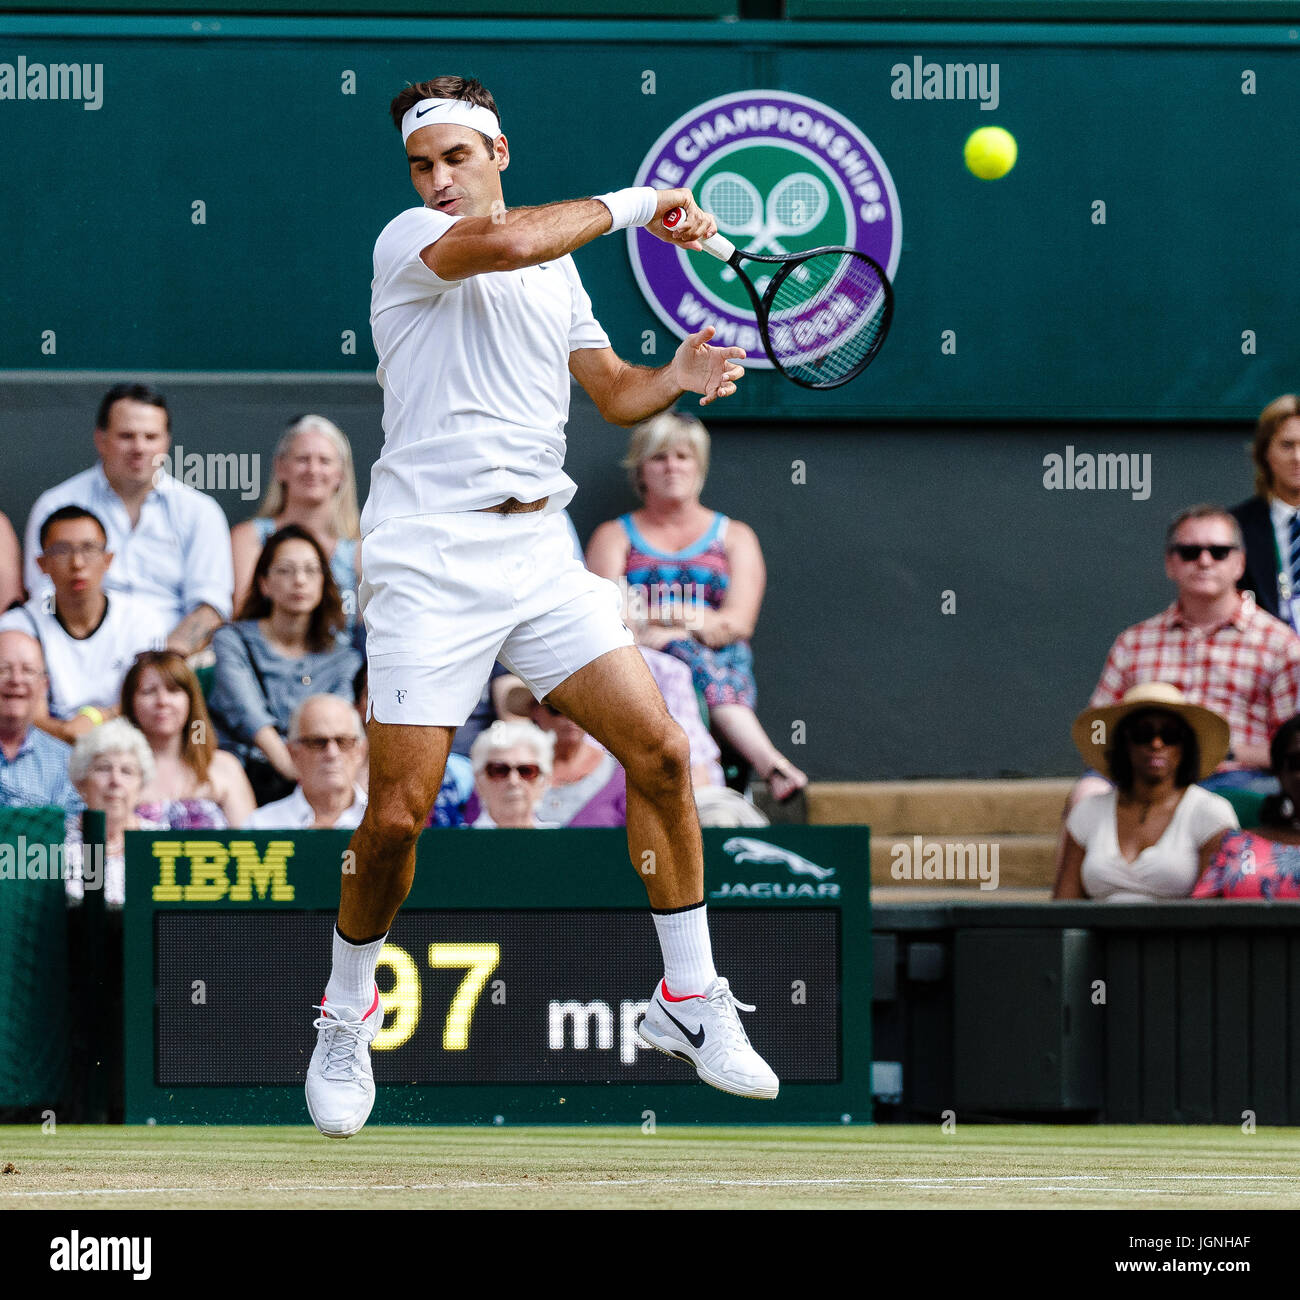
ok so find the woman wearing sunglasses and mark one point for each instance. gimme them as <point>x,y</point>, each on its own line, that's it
<point>512,768</point>
<point>1149,838</point>
<point>1264,863</point>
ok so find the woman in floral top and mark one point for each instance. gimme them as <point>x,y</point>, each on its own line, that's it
<point>1264,863</point>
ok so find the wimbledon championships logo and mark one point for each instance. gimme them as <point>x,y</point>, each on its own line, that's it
<point>782,173</point>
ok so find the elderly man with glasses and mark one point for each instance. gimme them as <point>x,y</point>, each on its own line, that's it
<point>328,746</point>
<point>33,766</point>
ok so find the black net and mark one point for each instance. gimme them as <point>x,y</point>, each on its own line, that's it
<point>827,317</point>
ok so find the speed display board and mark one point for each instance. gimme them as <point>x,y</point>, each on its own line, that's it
<point>512,981</point>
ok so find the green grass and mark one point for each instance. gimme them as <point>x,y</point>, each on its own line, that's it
<point>977,1167</point>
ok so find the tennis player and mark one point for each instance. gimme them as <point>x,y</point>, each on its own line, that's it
<point>479,318</point>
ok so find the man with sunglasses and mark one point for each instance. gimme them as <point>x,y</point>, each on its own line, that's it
<point>1217,646</point>
<point>328,745</point>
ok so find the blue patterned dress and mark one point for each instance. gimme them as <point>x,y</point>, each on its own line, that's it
<point>698,574</point>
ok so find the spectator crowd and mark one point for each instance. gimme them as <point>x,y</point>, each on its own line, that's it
<point>175,673</point>
<point>1194,720</point>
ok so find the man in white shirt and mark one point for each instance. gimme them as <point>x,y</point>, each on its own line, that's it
<point>171,542</point>
<point>328,746</point>
<point>89,639</point>
<point>479,319</point>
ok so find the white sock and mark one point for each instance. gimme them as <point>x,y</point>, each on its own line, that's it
<point>352,979</point>
<point>688,954</point>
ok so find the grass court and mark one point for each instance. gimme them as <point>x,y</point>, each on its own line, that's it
<point>887,1167</point>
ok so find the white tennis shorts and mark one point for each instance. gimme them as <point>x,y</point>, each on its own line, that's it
<point>444,596</point>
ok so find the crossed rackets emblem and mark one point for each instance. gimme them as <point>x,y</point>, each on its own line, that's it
<point>822,313</point>
<point>796,205</point>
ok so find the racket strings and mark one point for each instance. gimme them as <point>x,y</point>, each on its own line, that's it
<point>827,318</point>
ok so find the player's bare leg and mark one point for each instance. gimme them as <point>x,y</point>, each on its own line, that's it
<point>406,770</point>
<point>615,699</point>
<point>692,1014</point>
<point>406,767</point>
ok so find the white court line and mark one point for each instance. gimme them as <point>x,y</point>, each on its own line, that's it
<point>957,1183</point>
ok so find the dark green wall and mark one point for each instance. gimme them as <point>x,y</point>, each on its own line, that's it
<point>1052,314</point>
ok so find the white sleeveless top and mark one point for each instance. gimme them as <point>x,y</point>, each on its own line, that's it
<point>1166,870</point>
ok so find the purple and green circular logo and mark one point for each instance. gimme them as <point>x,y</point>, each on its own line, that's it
<point>782,173</point>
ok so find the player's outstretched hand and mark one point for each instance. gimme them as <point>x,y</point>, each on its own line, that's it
<point>694,225</point>
<point>698,368</point>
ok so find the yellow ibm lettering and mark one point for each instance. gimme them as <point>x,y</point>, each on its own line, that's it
<point>209,860</point>
<point>167,890</point>
<point>268,875</point>
<point>208,880</point>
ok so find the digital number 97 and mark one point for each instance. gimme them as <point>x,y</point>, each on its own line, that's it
<point>404,998</point>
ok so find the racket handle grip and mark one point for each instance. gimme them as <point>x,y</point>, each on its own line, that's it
<point>720,247</point>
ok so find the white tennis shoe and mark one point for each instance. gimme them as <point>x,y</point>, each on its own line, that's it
<point>340,1083</point>
<point>705,1031</point>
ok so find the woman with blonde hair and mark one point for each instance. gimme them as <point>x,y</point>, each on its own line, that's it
<point>313,484</point>
<point>193,784</point>
<point>694,582</point>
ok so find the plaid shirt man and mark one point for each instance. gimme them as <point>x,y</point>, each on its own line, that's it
<point>1247,668</point>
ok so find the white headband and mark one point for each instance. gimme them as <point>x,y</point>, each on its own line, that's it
<point>457,111</point>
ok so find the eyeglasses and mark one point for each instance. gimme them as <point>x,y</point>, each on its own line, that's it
<point>319,744</point>
<point>1193,553</point>
<point>25,671</point>
<point>1144,732</point>
<point>66,550</point>
<point>293,570</point>
<point>501,771</point>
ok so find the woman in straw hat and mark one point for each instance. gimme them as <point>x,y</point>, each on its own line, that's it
<point>1151,837</point>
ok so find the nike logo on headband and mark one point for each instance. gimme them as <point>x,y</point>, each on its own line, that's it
<point>420,112</point>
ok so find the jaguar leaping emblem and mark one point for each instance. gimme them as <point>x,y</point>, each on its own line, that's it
<point>744,849</point>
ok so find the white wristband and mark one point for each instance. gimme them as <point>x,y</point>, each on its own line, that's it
<point>631,207</point>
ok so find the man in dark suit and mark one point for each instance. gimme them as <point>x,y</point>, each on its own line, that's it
<point>1270,520</point>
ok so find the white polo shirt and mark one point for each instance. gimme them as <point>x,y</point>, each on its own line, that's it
<point>294,813</point>
<point>176,558</point>
<point>475,377</point>
<point>90,671</point>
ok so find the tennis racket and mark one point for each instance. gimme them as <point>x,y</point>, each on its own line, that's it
<point>823,314</point>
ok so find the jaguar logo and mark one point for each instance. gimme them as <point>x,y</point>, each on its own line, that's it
<point>745,849</point>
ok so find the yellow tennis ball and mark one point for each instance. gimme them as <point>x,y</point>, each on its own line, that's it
<point>990,152</point>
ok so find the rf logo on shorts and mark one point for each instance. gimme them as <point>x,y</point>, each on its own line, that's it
<point>782,173</point>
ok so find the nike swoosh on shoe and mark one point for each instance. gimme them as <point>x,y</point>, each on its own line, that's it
<point>695,1039</point>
